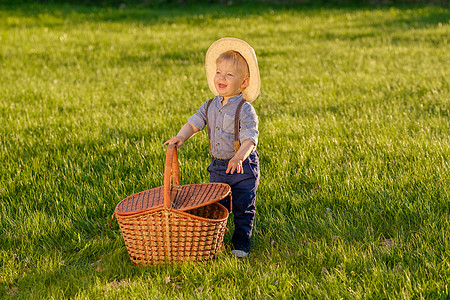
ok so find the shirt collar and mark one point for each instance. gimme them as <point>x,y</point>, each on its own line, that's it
<point>236,98</point>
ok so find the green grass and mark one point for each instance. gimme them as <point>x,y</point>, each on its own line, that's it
<point>354,146</point>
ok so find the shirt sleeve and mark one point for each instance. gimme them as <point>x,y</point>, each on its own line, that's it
<point>248,124</point>
<point>199,118</point>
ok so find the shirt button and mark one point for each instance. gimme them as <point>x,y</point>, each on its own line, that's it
<point>217,127</point>
<point>217,144</point>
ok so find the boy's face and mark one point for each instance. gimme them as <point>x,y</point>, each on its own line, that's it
<point>230,80</point>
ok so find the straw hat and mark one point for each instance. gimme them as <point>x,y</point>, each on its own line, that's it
<point>251,92</point>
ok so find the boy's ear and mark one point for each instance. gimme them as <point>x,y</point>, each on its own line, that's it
<point>245,83</point>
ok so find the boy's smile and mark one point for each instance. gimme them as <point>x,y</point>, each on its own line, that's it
<point>229,80</point>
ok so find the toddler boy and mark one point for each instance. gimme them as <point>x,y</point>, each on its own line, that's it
<point>233,76</point>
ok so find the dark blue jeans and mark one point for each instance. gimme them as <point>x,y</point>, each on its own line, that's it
<point>243,192</point>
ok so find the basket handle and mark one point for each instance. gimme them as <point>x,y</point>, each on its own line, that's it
<point>171,176</point>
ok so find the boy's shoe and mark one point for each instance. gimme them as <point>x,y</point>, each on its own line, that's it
<point>239,253</point>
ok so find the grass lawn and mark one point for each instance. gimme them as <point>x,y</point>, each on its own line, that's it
<point>354,146</point>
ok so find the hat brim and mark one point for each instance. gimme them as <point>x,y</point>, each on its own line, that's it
<point>222,45</point>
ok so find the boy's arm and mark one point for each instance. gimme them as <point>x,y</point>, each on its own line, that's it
<point>235,164</point>
<point>184,134</point>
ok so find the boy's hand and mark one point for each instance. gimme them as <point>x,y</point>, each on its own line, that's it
<point>177,140</point>
<point>235,164</point>
<point>183,135</point>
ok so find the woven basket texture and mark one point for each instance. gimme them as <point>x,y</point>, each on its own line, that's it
<point>166,236</point>
<point>174,223</point>
<point>188,197</point>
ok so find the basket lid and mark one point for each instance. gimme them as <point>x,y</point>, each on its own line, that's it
<point>173,195</point>
<point>183,198</point>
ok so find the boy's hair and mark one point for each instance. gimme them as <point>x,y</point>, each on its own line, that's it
<point>237,59</point>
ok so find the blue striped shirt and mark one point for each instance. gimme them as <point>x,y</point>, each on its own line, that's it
<point>221,122</point>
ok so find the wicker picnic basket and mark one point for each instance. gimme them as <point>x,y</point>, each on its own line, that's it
<point>174,223</point>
